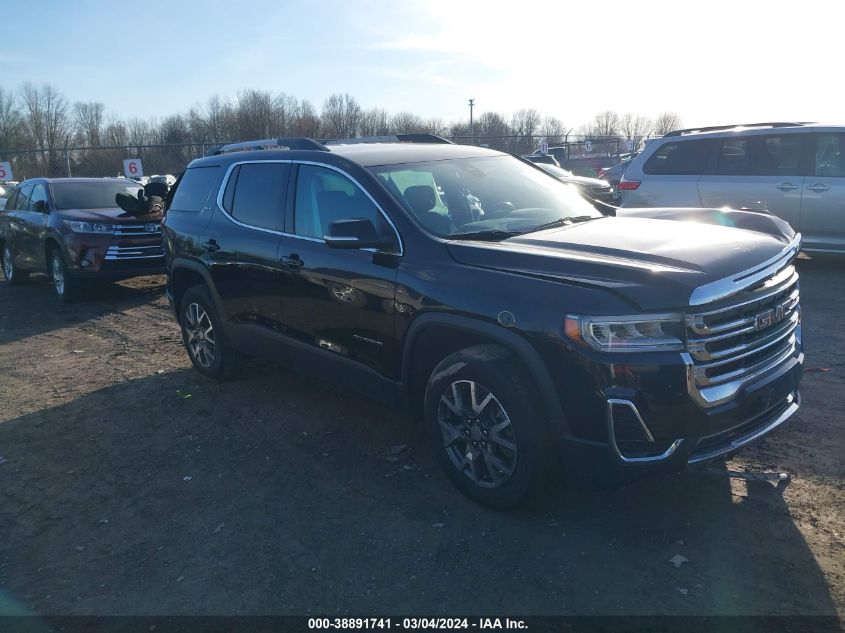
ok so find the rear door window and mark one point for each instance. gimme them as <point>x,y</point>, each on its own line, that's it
<point>196,189</point>
<point>22,203</point>
<point>829,161</point>
<point>760,156</point>
<point>255,194</point>
<point>680,158</point>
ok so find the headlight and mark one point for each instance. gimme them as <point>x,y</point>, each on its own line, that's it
<point>635,333</point>
<point>89,227</point>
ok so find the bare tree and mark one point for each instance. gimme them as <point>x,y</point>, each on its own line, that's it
<point>635,128</point>
<point>666,122</point>
<point>88,120</point>
<point>46,120</point>
<point>407,123</point>
<point>341,116</point>
<point>524,125</point>
<point>375,122</point>
<point>604,125</point>
<point>10,121</point>
<point>553,130</point>
<point>306,122</point>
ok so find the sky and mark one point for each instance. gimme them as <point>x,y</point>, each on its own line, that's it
<point>712,62</point>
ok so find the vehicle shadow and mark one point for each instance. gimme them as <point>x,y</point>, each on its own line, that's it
<point>22,308</point>
<point>273,494</point>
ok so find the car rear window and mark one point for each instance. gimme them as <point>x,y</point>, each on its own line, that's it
<point>194,190</point>
<point>680,158</point>
<point>91,194</point>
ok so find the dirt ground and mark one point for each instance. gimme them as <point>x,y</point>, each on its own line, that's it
<point>131,485</point>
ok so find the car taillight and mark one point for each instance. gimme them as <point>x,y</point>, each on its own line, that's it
<point>628,185</point>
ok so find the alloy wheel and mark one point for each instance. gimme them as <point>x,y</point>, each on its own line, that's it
<point>58,272</point>
<point>200,335</point>
<point>477,433</point>
<point>8,264</point>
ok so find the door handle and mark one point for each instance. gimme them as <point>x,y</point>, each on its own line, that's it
<point>819,187</point>
<point>786,186</point>
<point>292,261</point>
<point>211,246</point>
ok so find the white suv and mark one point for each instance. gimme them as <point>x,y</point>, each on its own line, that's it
<point>794,170</point>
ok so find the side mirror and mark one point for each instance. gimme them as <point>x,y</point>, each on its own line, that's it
<point>355,233</point>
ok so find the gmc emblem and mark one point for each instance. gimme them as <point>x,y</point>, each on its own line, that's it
<point>771,317</point>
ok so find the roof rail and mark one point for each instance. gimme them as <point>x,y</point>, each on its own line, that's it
<point>716,128</point>
<point>299,142</point>
<point>390,138</point>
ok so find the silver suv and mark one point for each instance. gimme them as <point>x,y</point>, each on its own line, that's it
<point>794,170</point>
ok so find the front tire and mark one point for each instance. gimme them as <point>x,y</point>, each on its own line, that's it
<point>487,427</point>
<point>202,334</point>
<point>11,272</point>
<point>67,287</point>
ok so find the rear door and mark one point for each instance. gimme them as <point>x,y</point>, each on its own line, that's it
<point>823,200</point>
<point>669,175</point>
<point>758,172</point>
<point>242,242</point>
<point>16,231</point>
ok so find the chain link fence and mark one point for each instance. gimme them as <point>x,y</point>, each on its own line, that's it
<point>97,162</point>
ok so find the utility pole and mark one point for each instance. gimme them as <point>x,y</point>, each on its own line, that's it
<point>471,105</point>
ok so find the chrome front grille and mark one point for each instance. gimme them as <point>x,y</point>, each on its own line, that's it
<point>146,229</point>
<point>743,338</point>
<point>121,253</point>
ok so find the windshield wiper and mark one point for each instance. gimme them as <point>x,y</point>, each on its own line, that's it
<point>560,222</point>
<point>488,235</point>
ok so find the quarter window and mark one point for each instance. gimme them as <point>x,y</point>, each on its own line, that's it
<point>255,194</point>
<point>323,196</point>
<point>829,159</point>
<point>195,189</point>
<point>680,158</point>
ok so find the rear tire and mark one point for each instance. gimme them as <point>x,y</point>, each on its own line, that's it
<point>67,287</point>
<point>487,427</point>
<point>11,272</point>
<point>202,334</point>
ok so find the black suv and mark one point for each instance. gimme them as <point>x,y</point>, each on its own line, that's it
<point>489,299</point>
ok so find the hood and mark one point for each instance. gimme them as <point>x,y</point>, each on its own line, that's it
<point>584,181</point>
<point>109,216</point>
<point>655,264</point>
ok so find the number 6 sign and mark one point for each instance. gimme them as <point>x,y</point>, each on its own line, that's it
<point>132,168</point>
<point>5,171</point>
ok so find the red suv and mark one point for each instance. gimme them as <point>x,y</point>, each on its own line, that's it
<point>72,230</point>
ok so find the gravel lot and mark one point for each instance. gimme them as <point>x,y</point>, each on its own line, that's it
<point>130,485</point>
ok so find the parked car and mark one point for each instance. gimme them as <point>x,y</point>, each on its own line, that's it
<point>544,159</point>
<point>521,326</point>
<point>588,165</point>
<point>614,173</point>
<point>794,170</point>
<point>72,230</point>
<point>5,190</point>
<point>167,179</point>
<point>593,189</point>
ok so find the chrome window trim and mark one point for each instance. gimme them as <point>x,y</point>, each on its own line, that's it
<point>724,288</point>
<point>222,190</point>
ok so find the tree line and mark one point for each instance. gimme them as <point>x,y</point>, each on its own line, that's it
<point>39,117</point>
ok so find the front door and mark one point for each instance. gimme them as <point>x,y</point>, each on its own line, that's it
<point>823,201</point>
<point>758,172</point>
<point>35,227</point>
<point>339,300</point>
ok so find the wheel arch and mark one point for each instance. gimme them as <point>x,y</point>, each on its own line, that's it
<point>185,274</point>
<point>431,337</point>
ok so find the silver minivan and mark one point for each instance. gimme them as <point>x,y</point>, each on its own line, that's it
<point>794,170</point>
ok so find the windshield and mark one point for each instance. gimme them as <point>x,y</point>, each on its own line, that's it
<point>456,197</point>
<point>91,194</point>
